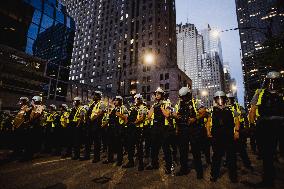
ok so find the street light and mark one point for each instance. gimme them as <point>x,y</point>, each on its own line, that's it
<point>149,58</point>
<point>204,93</point>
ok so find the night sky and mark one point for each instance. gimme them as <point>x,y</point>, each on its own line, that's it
<point>220,14</point>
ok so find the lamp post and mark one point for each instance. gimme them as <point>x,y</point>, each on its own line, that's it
<point>204,95</point>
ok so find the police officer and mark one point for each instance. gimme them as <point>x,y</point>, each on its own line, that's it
<point>188,131</point>
<point>225,129</point>
<point>52,130</point>
<point>268,106</point>
<point>76,119</point>
<point>33,134</point>
<point>19,126</point>
<point>64,131</point>
<point>241,145</point>
<point>158,115</point>
<point>203,121</point>
<point>134,135</point>
<point>96,113</point>
<point>117,121</point>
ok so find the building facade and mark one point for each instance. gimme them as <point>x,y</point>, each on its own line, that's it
<point>44,30</point>
<point>112,40</point>
<point>189,51</point>
<point>258,21</point>
<point>230,85</point>
<point>212,42</point>
<point>212,77</point>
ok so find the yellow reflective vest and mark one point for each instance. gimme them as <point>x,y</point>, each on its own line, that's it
<point>51,118</point>
<point>164,105</point>
<point>64,119</point>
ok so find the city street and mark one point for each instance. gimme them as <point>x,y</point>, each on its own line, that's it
<point>56,173</point>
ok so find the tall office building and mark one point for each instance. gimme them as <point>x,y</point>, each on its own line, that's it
<point>126,46</point>
<point>199,56</point>
<point>189,51</point>
<point>230,85</point>
<point>212,42</point>
<point>258,21</point>
<point>212,77</point>
<point>39,31</point>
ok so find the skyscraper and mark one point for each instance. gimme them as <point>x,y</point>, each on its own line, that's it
<point>199,56</point>
<point>44,30</point>
<point>229,82</point>
<point>126,46</point>
<point>212,77</point>
<point>189,51</point>
<point>212,42</point>
<point>258,22</point>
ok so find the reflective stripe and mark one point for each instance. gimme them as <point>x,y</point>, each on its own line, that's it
<point>64,119</point>
<point>121,121</point>
<point>166,120</point>
<point>77,116</point>
<point>260,94</point>
<point>50,118</point>
<point>96,109</point>
<point>260,97</point>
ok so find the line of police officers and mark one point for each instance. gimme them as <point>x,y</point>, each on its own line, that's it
<point>141,129</point>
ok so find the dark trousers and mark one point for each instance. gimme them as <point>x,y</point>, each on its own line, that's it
<point>76,141</point>
<point>66,141</point>
<point>224,144</point>
<point>183,145</point>
<point>115,143</point>
<point>241,145</point>
<point>134,138</point>
<point>160,138</point>
<point>147,138</point>
<point>96,139</point>
<point>268,130</point>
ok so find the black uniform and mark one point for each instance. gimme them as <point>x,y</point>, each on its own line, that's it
<point>134,136</point>
<point>189,133</point>
<point>269,124</point>
<point>223,142</point>
<point>160,137</point>
<point>76,130</point>
<point>115,135</point>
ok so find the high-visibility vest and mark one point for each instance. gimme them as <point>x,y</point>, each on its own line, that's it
<point>51,118</point>
<point>64,119</point>
<point>120,120</point>
<point>76,117</point>
<point>96,109</point>
<point>260,93</point>
<point>164,105</point>
<point>139,114</point>
<point>177,107</point>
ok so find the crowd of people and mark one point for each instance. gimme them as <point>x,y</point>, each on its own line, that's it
<point>141,130</point>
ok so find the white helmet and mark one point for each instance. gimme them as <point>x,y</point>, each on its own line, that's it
<point>77,99</point>
<point>184,91</point>
<point>98,93</point>
<point>37,98</point>
<point>219,94</point>
<point>64,106</point>
<point>138,96</point>
<point>119,97</point>
<point>52,106</point>
<point>230,95</point>
<point>159,90</point>
<point>273,75</point>
<point>24,99</point>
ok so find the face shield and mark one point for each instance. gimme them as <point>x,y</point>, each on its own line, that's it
<point>231,101</point>
<point>273,85</point>
<point>220,101</point>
